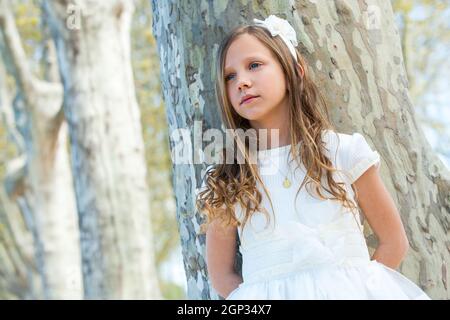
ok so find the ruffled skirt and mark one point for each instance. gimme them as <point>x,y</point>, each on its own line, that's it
<point>371,281</point>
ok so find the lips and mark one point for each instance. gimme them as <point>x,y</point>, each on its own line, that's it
<point>246,98</point>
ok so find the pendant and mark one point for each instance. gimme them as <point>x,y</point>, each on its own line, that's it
<point>286,183</point>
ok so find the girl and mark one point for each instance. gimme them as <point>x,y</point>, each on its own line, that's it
<point>314,247</point>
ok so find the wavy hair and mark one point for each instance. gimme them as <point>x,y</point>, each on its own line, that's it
<point>235,183</point>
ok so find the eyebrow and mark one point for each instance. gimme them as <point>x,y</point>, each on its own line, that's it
<point>246,59</point>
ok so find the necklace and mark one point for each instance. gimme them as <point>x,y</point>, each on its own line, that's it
<point>286,182</point>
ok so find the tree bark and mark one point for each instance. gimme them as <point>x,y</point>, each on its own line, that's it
<point>354,54</point>
<point>41,179</point>
<point>107,147</point>
<point>16,244</point>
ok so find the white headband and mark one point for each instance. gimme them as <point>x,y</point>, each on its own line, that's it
<point>282,28</point>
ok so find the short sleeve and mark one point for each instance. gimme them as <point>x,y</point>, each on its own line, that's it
<point>359,156</point>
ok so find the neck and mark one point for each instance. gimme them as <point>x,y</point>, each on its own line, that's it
<point>275,137</point>
<point>277,126</point>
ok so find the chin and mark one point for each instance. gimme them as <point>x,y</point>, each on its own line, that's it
<point>250,116</point>
<point>254,115</point>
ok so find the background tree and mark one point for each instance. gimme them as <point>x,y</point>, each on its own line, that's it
<point>16,244</point>
<point>354,52</point>
<point>18,276</point>
<point>42,181</point>
<point>108,163</point>
<point>145,63</point>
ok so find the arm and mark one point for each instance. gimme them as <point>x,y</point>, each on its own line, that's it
<point>220,256</point>
<point>383,217</point>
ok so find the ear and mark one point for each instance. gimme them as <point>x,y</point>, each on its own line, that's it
<point>300,69</point>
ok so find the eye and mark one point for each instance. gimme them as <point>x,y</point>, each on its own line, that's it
<point>228,77</point>
<point>251,64</point>
<point>255,64</point>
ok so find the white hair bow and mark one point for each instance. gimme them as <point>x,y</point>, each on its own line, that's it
<point>282,28</point>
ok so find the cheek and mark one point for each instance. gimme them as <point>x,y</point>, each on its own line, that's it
<point>275,89</point>
<point>231,98</point>
<point>269,82</point>
<point>277,79</point>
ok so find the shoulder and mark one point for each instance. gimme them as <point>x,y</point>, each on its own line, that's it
<point>337,144</point>
<point>350,152</point>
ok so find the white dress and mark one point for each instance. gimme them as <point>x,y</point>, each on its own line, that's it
<point>315,248</point>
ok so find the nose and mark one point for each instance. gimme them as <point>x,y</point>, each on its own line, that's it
<point>243,81</point>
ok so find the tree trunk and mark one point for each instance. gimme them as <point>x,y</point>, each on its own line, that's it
<point>108,158</point>
<point>355,58</point>
<point>42,182</point>
<point>16,244</point>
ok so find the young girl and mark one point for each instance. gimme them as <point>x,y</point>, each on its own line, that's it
<point>310,245</point>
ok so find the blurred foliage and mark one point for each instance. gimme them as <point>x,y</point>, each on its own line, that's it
<point>425,38</point>
<point>28,22</point>
<point>29,25</point>
<point>424,27</point>
<point>7,150</point>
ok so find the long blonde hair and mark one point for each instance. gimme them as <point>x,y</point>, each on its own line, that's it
<point>229,184</point>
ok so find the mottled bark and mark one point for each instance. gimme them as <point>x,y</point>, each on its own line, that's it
<point>355,57</point>
<point>40,179</point>
<point>107,148</point>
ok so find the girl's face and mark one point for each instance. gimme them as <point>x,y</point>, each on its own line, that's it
<point>252,69</point>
